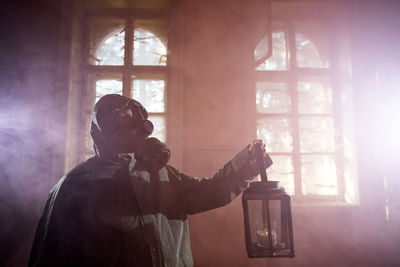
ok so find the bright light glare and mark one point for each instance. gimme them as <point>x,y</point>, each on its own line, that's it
<point>386,125</point>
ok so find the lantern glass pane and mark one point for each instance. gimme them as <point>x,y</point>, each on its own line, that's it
<point>268,229</point>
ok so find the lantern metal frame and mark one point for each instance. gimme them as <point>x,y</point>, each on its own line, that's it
<point>266,192</point>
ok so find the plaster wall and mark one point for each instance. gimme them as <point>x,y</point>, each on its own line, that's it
<point>212,88</point>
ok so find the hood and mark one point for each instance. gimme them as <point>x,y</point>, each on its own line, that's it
<point>103,121</point>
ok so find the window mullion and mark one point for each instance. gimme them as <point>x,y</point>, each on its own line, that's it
<point>295,110</point>
<point>126,86</point>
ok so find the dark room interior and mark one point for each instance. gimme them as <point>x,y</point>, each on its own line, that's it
<point>317,80</point>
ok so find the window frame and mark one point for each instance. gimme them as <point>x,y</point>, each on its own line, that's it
<point>291,76</point>
<point>127,71</point>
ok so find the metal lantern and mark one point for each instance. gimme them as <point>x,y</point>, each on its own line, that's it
<point>267,218</point>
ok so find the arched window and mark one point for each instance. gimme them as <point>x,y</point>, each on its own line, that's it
<point>126,55</point>
<point>302,106</point>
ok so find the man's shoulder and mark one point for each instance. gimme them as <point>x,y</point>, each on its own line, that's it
<point>81,171</point>
<point>92,169</point>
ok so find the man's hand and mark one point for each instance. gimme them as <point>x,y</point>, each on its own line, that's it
<point>252,148</point>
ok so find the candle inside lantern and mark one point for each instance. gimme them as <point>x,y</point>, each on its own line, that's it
<point>263,240</point>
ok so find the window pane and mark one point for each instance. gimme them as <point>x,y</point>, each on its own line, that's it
<point>98,85</point>
<point>276,133</point>
<point>105,87</point>
<point>272,97</point>
<point>150,93</point>
<point>278,60</point>
<point>318,175</point>
<point>316,134</point>
<point>150,43</point>
<point>315,96</point>
<point>107,42</point>
<point>282,171</point>
<point>159,127</point>
<point>312,45</point>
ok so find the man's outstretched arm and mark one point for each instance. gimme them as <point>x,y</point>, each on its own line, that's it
<point>208,193</point>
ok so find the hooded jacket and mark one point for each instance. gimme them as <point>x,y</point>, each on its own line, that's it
<point>116,213</point>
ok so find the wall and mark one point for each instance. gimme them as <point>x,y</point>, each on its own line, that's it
<point>217,81</point>
<point>217,117</point>
<point>220,86</point>
<point>211,72</point>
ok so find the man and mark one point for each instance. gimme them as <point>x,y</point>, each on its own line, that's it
<point>125,206</point>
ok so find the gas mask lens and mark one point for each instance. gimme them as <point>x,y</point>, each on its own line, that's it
<point>128,118</point>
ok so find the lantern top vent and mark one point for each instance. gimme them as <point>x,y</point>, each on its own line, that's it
<point>266,186</point>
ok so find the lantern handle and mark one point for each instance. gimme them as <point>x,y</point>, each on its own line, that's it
<point>260,162</point>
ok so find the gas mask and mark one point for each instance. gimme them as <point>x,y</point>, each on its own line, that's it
<point>152,153</point>
<point>120,125</point>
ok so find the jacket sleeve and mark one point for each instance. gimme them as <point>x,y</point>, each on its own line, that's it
<point>208,193</point>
